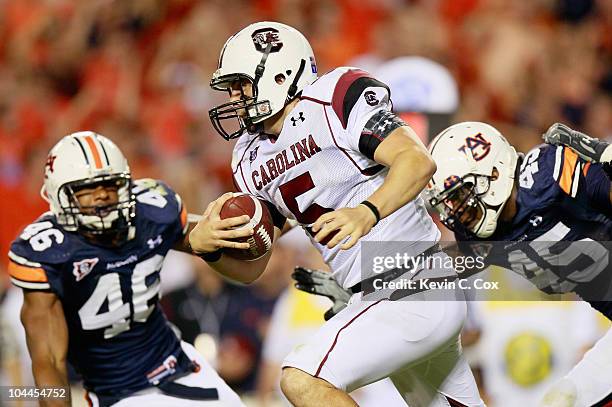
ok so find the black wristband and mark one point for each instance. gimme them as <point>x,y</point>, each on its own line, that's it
<point>374,210</point>
<point>212,256</point>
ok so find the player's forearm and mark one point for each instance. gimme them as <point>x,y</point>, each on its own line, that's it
<point>408,174</point>
<point>49,374</point>
<point>240,271</point>
<point>43,319</point>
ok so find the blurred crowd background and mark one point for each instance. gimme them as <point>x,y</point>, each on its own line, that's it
<point>138,72</point>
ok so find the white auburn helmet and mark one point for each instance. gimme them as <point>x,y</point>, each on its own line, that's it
<point>86,159</point>
<point>466,155</point>
<point>276,59</point>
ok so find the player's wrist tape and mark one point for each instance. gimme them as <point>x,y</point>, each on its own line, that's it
<point>212,256</point>
<point>374,210</point>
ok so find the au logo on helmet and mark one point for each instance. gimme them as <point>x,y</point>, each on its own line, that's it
<point>478,146</point>
<point>50,160</point>
<point>264,36</point>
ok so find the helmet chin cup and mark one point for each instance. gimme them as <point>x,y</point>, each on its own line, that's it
<point>259,111</point>
<point>232,119</point>
<point>487,225</point>
<point>117,233</point>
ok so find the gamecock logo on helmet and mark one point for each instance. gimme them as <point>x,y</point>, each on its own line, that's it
<point>265,36</point>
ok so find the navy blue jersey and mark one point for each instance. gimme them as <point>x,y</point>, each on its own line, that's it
<point>117,332</point>
<point>559,236</point>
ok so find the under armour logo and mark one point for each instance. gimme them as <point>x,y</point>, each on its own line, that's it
<point>382,126</point>
<point>154,242</point>
<point>300,117</point>
<point>535,221</point>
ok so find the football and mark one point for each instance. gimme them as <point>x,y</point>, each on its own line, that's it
<point>261,222</point>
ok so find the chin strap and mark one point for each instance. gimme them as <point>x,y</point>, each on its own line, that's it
<point>293,88</point>
<point>259,70</point>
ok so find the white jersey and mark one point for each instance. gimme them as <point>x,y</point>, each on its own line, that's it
<point>317,164</point>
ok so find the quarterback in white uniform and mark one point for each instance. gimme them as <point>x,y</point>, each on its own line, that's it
<point>331,155</point>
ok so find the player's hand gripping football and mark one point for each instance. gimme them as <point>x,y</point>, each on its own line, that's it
<point>322,283</point>
<point>588,148</point>
<point>337,225</point>
<point>212,233</point>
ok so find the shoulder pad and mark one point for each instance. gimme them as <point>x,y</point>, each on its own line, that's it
<point>156,201</point>
<point>538,175</point>
<point>565,167</point>
<point>342,88</point>
<point>43,241</point>
<point>39,249</point>
<point>322,89</point>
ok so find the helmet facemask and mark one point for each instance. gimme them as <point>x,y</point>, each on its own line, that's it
<point>232,119</point>
<point>105,225</point>
<point>462,205</point>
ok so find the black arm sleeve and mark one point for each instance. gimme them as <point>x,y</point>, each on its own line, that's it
<point>380,125</point>
<point>278,218</point>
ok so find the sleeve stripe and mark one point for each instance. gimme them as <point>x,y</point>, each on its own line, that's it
<point>31,286</point>
<point>576,181</point>
<point>20,260</point>
<point>339,102</point>
<point>184,216</point>
<point>558,160</point>
<point>586,167</point>
<point>27,274</point>
<point>570,159</point>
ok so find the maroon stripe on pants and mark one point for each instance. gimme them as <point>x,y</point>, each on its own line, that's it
<point>338,334</point>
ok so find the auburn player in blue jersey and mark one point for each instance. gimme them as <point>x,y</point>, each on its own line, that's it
<point>90,272</point>
<point>551,207</point>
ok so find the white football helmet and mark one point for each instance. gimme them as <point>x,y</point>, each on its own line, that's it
<point>86,159</point>
<point>475,177</point>
<point>276,59</point>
